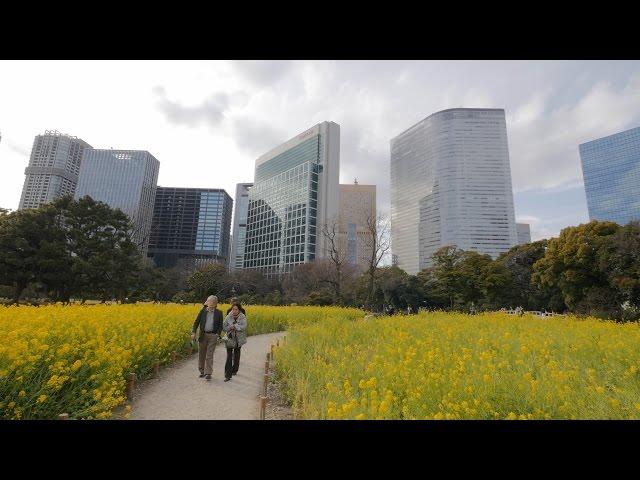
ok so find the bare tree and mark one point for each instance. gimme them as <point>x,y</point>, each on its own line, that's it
<point>377,243</point>
<point>336,253</point>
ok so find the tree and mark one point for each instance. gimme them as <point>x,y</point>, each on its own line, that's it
<point>376,240</point>
<point>105,260</point>
<point>209,280</point>
<point>306,278</point>
<point>337,257</point>
<point>620,259</point>
<point>32,249</point>
<point>519,260</point>
<point>441,280</point>
<point>571,265</point>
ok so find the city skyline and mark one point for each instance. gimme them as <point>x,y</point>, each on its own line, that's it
<point>207,121</point>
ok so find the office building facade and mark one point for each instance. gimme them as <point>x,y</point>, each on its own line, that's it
<point>54,166</point>
<point>357,207</point>
<point>611,172</point>
<point>524,233</point>
<point>239,225</point>
<point>124,179</point>
<point>190,227</point>
<point>295,193</point>
<point>451,185</point>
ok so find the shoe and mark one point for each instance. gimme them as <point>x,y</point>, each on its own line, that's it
<point>208,377</point>
<point>234,373</point>
<point>201,375</point>
<point>227,379</point>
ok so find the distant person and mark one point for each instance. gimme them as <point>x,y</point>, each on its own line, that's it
<point>235,324</point>
<point>209,321</point>
<point>520,311</point>
<point>235,300</point>
<point>472,309</point>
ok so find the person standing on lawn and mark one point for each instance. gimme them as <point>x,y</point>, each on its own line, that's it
<point>236,327</point>
<point>209,321</point>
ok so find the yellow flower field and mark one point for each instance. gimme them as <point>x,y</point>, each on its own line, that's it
<point>74,359</point>
<point>456,366</point>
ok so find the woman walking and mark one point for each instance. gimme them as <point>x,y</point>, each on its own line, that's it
<point>235,324</point>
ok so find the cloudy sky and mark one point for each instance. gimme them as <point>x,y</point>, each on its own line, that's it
<point>207,121</point>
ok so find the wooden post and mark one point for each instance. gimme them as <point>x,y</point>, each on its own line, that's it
<point>131,385</point>
<point>156,369</point>
<point>174,357</point>
<point>63,416</point>
<point>277,343</point>
<point>263,406</point>
<point>265,383</point>
<point>273,348</point>
<point>266,367</point>
<point>268,356</point>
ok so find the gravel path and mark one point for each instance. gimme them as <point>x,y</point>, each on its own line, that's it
<point>178,393</point>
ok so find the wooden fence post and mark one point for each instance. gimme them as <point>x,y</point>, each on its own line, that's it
<point>265,384</point>
<point>263,406</point>
<point>156,369</point>
<point>174,357</point>
<point>131,385</point>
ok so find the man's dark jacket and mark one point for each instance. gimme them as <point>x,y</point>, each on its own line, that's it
<point>201,319</point>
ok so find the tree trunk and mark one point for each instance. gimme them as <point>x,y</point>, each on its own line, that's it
<point>20,286</point>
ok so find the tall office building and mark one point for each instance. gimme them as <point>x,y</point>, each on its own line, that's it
<point>239,225</point>
<point>524,233</point>
<point>451,185</point>
<point>190,227</point>
<point>611,171</point>
<point>357,206</point>
<point>295,192</point>
<point>124,179</point>
<point>53,168</point>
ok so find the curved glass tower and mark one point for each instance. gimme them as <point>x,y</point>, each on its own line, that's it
<point>451,185</point>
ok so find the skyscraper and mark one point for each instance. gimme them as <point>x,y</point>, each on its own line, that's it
<point>124,179</point>
<point>295,192</point>
<point>357,207</point>
<point>190,227</point>
<point>611,171</point>
<point>53,168</point>
<point>524,233</point>
<point>239,225</point>
<point>451,185</point>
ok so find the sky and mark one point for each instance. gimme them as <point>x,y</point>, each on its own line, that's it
<point>207,121</point>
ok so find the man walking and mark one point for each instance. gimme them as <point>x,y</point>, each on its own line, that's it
<point>209,321</point>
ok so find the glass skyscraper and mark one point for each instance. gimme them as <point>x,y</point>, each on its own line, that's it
<point>190,227</point>
<point>451,185</point>
<point>124,179</point>
<point>239,225</point>
<point>53,168</point>
<point>295,192</point>
<point>611,172</point>
<point>524,233</point>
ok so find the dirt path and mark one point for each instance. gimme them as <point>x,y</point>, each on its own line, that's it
<point>178,393</point>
